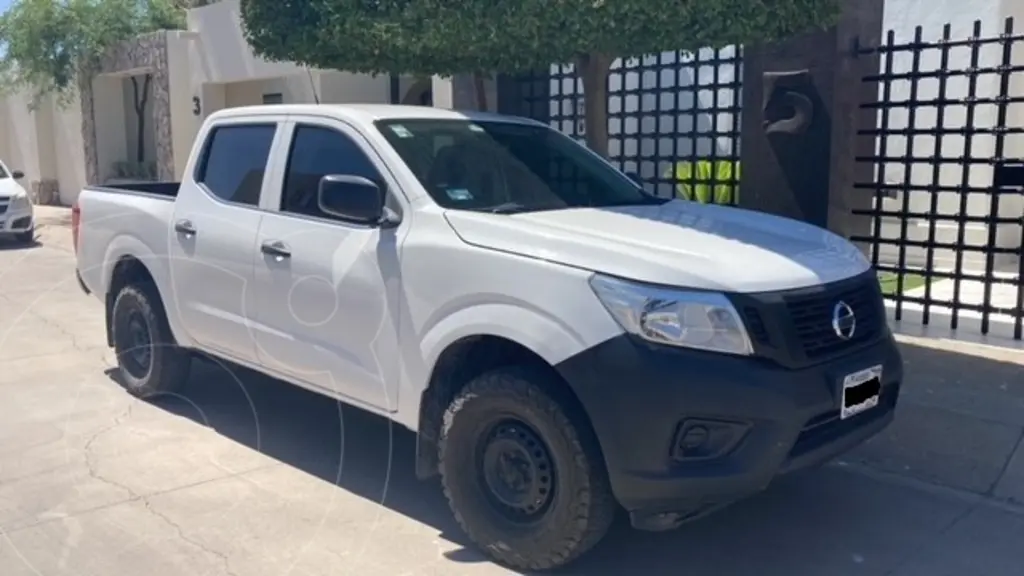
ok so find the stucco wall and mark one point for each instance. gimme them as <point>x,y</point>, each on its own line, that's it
<point>345,88</point>
<point>69,152</point>
<point>227,56</point>
<point>45,144</point>
<point>20,144</point>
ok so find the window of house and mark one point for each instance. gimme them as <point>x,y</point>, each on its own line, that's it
<point>316,152</point>
<point>275,98</point>
<point>235,161</point>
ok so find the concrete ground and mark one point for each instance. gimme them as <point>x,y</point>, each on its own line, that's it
<point>245,476</point>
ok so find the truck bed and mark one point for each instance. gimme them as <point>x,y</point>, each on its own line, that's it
<point>167,190</point>
<point>119,215</point>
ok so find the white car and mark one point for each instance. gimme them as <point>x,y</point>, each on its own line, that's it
<point>16,217</point>
<point>563,343</point>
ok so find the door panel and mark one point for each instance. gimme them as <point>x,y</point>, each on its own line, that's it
<point>324,314</point>
<point>213,230</point>
<point>326,290</point>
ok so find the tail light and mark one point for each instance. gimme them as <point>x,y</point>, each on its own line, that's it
<point>76,218</point>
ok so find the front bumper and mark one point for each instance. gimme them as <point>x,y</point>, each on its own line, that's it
<point>16,222</point>
<point>685,432</point>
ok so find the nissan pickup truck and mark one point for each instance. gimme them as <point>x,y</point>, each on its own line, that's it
<point>564,344</point>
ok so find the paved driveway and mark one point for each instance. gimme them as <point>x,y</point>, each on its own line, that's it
<point>245,476</point>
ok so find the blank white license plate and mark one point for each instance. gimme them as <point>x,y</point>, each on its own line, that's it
<point>861,391</point>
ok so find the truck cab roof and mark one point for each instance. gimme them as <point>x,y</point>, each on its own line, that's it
<point>366,113</point>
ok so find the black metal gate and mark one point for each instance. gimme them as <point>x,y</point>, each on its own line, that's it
<point>946,233</point>
<point>673,117</point>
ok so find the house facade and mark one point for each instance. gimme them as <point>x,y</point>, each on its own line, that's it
<point>171,81</point>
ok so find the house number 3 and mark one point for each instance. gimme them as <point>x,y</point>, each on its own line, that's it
<point>196,109</point>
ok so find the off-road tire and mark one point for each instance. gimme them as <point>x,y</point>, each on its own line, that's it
<point>583,507</point>
<point>169,364</point>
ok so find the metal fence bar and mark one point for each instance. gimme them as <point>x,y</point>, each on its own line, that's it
<point>1000,146</point>
<point>880,184</point>
<point>940,117</point>
<point>956,235</point>
<point>945,102</point>
<point>967,42</point>
<point>1018,319</point>
<point>674,117</point>
<point>908,164</point>
<point>949,73</point>
<point>972,106</point>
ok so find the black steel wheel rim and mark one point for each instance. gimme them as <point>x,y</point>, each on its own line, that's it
<point>137,345</point>
<point>516,471</point>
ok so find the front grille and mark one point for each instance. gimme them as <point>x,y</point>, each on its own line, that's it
<point>3,208</point>
<point>794,327</point>
<point>755,326</point>
<point>812,318</point>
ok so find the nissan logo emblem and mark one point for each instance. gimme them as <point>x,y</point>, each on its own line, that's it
<point>844,322</point>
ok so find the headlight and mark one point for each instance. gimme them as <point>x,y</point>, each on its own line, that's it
<point>702,320</point>
<point>20,202</point>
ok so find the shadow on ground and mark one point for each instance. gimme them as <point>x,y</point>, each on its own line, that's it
<point>12,244</point>
<point>822,522</point>
<point>961,420</point>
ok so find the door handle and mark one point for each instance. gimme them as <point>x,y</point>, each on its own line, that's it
<point>275,248</point>
<point>185,227</point>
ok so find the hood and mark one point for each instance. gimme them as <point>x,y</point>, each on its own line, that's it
<point>10,187</point>
<point>679,243</point>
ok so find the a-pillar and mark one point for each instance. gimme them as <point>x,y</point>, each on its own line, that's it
<point>801,112</point>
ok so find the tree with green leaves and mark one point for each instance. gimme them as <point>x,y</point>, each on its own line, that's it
<point>448,37</point>
<point>48,47</point>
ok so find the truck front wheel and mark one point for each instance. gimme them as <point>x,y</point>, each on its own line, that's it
<point>526,482</point>
<point>149,361</point>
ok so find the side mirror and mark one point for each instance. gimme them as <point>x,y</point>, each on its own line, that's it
<point>17,174</point>
<point>351,198</point>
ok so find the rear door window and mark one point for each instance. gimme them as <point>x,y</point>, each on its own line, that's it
<point>235,161</point>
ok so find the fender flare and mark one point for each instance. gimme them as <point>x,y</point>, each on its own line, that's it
<point>543,334</point>
<point>125,245</point>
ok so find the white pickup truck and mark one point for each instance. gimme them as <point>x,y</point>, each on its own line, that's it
<point>563,343</point>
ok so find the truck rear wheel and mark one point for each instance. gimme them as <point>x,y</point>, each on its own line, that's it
<point>149,361</point>
<point>526,483</point>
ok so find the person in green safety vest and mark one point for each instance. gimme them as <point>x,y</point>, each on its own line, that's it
<point>707,181</point>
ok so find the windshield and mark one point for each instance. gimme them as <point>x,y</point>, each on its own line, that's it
<point>507,167</point>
